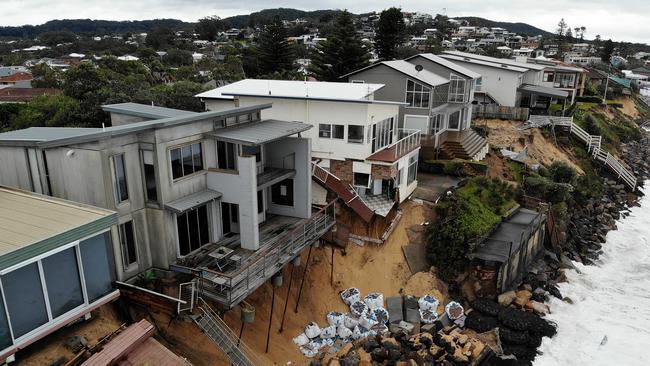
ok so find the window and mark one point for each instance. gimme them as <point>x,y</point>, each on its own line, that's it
<point>413,169</point>
<point>454,120</point>
<point>382,133</point>
<point>436,123</point>
<point>5,333</point>
<point>127,243</point>
<point>457,89</point>
<point>338,132</point>
<point>417,95</point>
<point>362,180</point>
<point>324,131</point>
<point>479,84</point>
<point>96,255</point>
<point>193,229</point>
<point>226,155</point>
<point>564,81</point>
<point>355,134</point>
<point>149,176</point>
<point>119,179</point>
<point>282,193</point>
<point>255,151</point>
<point>549,76</point>
<point>260,201</point>
<point>23,292</point>
<point>186,160</point>
<point>398,179</point>
<point>61,272</point>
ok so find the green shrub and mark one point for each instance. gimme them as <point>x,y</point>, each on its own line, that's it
<point>589,99</point>
<point>547,190</point>
<point>432,166</point>
<point>455,168</point>
<point>482,131</point>
<point>543,171</point>
<point>561,172</point>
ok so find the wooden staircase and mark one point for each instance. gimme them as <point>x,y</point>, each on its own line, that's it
<point>466,145</point>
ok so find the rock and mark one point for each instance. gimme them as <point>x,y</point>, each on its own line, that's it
<point>553,290</point>
<point>344,350</point>
<point>406,327</point>
<point>390,342</point>
<point>334,362</point>
<point>567,300</point>
<point>364,356</point>
<point>522,297</point>
<point>506,298</point>
<point>538,307</point>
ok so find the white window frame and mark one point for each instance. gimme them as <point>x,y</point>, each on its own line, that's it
<point>419,94</point>
<point>457,89</point>
<point>116,186</point>
<point>180,147</point>
<point>322,130</point>
<point>127,266</point>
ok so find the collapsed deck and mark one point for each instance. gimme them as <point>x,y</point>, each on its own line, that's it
<point>282,238</point>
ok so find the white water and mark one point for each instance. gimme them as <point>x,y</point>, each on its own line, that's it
<point>611,299</point>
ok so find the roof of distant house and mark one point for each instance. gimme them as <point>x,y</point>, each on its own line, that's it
<point>469,57</point>
<point>145,111</point>
<point>486,63</point>
<point>20,95</point>
<point>448,64</point>
<point>295,89</point>
<point>408,69</point>
<point>19,76</point>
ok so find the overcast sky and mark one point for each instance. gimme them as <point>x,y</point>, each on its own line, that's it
<point>621,20</point>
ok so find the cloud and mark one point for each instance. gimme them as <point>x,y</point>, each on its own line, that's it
<point>621,20</point>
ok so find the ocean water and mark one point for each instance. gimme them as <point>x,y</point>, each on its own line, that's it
<point>611,299</point>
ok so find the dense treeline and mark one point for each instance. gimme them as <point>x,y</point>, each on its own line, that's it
<point>93,27</point>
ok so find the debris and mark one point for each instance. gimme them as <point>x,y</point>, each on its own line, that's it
<point>358,308</point>
<point>374,300</point>
<point>301,339</point>
<point>335,319</point>
<point>312,330</point>
<point>454,310</point>
<point>351,295</point>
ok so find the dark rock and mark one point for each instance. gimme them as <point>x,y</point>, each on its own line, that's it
<point>553,290</point>
<point>486,307</point>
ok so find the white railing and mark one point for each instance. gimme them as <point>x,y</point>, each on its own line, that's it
<point>409,142</point>
<point>593,142</point>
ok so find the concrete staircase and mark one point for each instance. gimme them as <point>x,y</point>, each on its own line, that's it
<point>466,144</point>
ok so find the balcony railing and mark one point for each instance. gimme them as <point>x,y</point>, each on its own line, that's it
<point>408,140</point>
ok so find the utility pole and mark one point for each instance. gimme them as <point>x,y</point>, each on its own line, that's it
<point>606,86</point>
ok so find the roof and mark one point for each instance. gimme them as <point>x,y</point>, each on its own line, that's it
<point>295,89</point>
<point>19,76</point>
<point>144,110</point>
<point>542,90</point>
<point>32,224</point>
<point>408,69</point>
<point>486,63</point>
<point>18,95</point>
<point>134,346</point>
<point>495,60</point>
<point>258,133</point>
<point>448,64</point>
<point>621,81</point>
<point>193,200</point>
<point>507,238</point>
<point>59,136</point>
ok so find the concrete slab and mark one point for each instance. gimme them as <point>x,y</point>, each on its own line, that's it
<point>431,186</point>
<point>413,316</point>
<point>415,255</point>
<point>395,309</point>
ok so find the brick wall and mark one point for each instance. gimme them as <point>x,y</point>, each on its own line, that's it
<point>383,171</point>
<point>342,169</point>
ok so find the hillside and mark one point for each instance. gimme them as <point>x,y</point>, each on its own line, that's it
<point>266,15</point>
<point>92,27</point>
<point>521,28</point>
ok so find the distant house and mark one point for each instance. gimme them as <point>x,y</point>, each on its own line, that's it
<point>56,265</point>
<point>19,80</point>
<point>596,77</point>
<point>25,95</point>
<point>10,70</point>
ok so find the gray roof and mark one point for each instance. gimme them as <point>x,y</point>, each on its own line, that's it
<point>258,133</point>
<point>448,64</point>
<point>496,60</point>
<point>193,200</point>
<point>543,90</point>
<point>59,136</point>
<point>500,66</point>
<point>145,111</point>
<point>408,69</point>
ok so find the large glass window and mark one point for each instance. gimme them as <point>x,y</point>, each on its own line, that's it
<point>193,229</point>
<point>127,243</point>
<point>149,176</point>
<point>25,301</point>
<point>382,133</point>
<point>5,333</point>
<point>255,151</point>
<point>413,169</point>
<point>454,120</point>
<point>457,89</point>
<point>186,160</point>
<point>324,130</point>
<point>549,76</point>
<point>417,95</point>
<point>119,179</point>
<point>61,272</point>
<point>226,155</point>
<point>96,258</point>
<point>338,132</point>
<point>355,134</point>
<point>282,193</point>
<point>436,123</point>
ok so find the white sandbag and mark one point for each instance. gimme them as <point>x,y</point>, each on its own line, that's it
<point>351,295</point>
<point>454,310</point>
<point>381,315</point>
<point>379,328</point>
<point>368,319</point>
<point>335,319</point>
<point>301,339</point>
<point>343,332</point>
<point>328,332</point>
<point>428,302</point>
<point>312,330</point>
<point>356,333</point>
<point>428,316</point>
<point>350,321</point>
<point>312,348</point>
<point>358,308</point>
<point>374,300</point>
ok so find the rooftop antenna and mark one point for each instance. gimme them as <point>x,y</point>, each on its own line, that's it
<point>103,126</point>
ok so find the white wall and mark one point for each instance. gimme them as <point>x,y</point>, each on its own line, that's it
<point>501,84</point>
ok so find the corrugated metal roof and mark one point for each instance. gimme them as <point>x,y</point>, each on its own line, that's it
<point>59,136</point>
<point>193,200</point>
<point>31,224</point>
<point>319,90</point>
<point>448,64</point>
<point>407,69</point>
<point>258,133</point>
<point>485,63</point>
<point>497,60</point>
<point>146,111</point>
<point>542,90</point>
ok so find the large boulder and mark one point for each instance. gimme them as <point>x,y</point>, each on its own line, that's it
<point>506,298</point>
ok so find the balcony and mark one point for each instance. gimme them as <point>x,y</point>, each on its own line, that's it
<point>409,140</point>
<point>282,238</point>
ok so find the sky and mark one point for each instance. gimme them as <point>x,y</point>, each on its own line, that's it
<point>621,20</point>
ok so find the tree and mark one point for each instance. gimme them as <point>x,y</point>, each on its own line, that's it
<point>44,76</point>
<point>208,28</point>
<point>160,38</point>
<point>178,57</point>
<point>608,49</point>
<point>179,95</point>
<point>273,50</point>
<point>568,35</point>
<point>561,29</point>
<point>341,53</point>
<point>390,33</point>
<point>583,29</point>
<point>50,111</point>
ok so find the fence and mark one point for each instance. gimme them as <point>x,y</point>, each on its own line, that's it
<point>500,112</point>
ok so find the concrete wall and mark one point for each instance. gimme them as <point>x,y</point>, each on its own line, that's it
<point>14,170</point>
<point>118,119</point>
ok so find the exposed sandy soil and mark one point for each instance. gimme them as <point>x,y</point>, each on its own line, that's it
<point>629,107</point>
<point>370,268</point>
<point>540,149</point>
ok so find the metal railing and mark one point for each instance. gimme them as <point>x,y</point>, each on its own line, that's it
<point>408,141</point>
<point>230,288</point>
